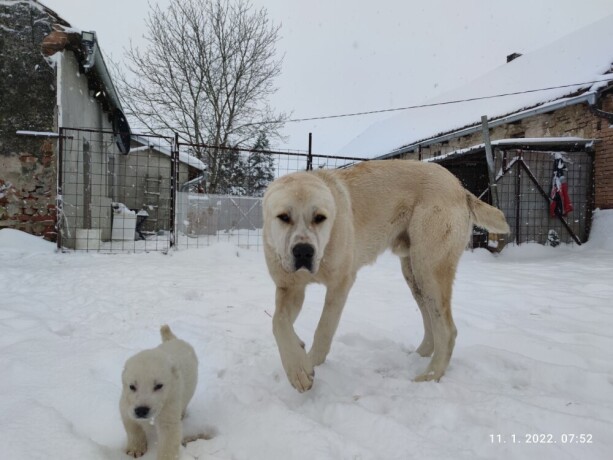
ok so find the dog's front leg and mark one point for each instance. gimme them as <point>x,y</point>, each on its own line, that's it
<point>295,361</point>
<point>137,439</point>
<point>170,435</point>
<point>336,296</point>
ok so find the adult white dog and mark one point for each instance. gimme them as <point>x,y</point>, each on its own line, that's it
<point>322,226</point>
<point>157,386</point>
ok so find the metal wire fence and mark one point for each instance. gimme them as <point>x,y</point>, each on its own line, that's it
<point>112,202</point>
<point>160,195</point>
<point>525,186</point>
<point>204,218</point>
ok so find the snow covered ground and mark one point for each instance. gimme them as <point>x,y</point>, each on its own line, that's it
<point>532,360</point>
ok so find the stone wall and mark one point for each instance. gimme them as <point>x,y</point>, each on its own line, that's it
<point>27,102</point>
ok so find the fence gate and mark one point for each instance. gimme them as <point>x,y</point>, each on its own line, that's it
<point>524,182</point>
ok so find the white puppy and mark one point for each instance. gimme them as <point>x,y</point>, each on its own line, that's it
<point>157,386</point>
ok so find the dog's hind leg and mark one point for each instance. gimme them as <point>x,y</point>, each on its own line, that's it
<point>427,344</point>
<point>436,294</point>
<point>336,296</point>
<point>438,237</point>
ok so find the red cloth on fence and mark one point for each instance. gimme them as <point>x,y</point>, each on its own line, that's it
<point>560,201</point>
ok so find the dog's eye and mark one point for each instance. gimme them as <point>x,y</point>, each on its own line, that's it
<point>319,218</point>
<point>284,218</point>
<point>133,387</point>
<point>158,386</point>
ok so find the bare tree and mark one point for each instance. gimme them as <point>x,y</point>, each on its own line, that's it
<point>206,73</point>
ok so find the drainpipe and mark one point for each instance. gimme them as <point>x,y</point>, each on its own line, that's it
<point>592,102</point>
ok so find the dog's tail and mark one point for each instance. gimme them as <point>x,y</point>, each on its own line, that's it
<point>487,216</point>
<point>166,333</point>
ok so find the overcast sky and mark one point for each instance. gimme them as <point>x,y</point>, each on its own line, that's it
<point>346,56</point>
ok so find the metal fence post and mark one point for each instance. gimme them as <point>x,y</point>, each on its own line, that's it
<point>518,180</point>
<point>310,154</point>
<point>59,199</point>
<point>174,161</point>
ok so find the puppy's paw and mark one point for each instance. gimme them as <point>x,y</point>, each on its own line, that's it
<point>136,452</point>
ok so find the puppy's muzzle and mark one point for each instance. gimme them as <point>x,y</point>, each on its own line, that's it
<point>141,411</point>
<point>303,256</point>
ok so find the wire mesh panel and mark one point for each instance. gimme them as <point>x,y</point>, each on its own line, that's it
<point>161,193</point>
<point>113,202</point>
<point>164,192</point>
<point>525,190</point>
<point>203,219</point>
<point>524,183</point>
<point>227,204</point>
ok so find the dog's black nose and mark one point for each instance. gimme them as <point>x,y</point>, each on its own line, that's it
<point>303,256</point>
<point>141,411</point>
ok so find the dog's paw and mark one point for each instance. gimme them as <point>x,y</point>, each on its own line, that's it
<point>425,349</point>
<point>136,451</point>
<point>428,376</point>
<point>301,375</point>
<point>317,357</point>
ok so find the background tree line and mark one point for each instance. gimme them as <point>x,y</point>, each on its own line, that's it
<point>246,173</point>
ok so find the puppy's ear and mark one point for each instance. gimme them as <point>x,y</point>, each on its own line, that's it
<point>175,372</point>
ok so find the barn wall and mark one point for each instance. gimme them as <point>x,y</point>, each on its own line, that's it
<point>603,167</point>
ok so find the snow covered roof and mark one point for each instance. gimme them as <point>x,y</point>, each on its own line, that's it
<point>146,143</point>
<point>39,6</point>
<point>536,143</point>
<point>569,66</point>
